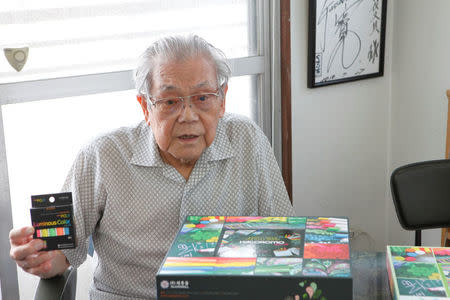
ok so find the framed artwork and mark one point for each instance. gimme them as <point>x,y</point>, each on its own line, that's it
<point>346,40</point>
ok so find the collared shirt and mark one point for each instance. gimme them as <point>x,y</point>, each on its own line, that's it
<point>132,203</point>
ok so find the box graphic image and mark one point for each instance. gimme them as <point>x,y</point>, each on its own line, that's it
<point>241,257</point>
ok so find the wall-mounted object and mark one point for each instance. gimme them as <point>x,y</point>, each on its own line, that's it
<point>17,57</point>
<point>345,41</point>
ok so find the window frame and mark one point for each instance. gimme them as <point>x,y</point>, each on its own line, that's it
<point>266,64</point>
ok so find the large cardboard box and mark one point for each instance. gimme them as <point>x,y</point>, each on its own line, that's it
<point>229,257</point>
<point>418,272</point>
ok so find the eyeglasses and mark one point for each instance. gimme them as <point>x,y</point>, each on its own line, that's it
<point>173,105</point>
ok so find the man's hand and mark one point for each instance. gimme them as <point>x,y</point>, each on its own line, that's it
<point>25,251</point>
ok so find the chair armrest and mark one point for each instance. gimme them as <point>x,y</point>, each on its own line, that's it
<point>61,287</point>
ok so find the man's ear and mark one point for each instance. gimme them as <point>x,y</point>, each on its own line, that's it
<point>222,105</point>
<point>143,102</point>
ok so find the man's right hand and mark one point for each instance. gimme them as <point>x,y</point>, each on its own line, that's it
<point>26,252</point>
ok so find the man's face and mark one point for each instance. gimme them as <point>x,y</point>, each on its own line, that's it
<point>183,136</point>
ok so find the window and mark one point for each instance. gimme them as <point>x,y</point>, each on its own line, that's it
<point>77,83</point>
<point>68,38</point>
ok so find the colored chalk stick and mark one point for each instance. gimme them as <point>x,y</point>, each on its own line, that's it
<point>52,232</point>
<point>332,229</point>
<point>60,231</point>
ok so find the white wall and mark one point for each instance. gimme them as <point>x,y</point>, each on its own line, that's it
<point>420,77</point>
<point>340,141</point>
<point>348,138</point>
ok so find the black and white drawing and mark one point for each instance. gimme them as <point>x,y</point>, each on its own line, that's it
<point>346,40</point>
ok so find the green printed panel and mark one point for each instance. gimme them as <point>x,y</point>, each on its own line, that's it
<point>419,287</point>
<point>192,249</point>
<point>199,235</point>
<point>194,219</point>
<point>416,270</point>
<point>296,220</point>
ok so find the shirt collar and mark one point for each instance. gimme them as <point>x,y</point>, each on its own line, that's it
<point>145,150</point>
<point>220,148</point>
<point>146,153</point>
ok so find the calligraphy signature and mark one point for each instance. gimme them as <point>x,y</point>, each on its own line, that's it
<point>343,32</point>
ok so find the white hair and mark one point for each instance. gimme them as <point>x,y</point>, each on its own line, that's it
<point>173,48</point>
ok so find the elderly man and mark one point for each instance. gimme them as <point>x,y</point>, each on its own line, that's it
<point>134,186</point>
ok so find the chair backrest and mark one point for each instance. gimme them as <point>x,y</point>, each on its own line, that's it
<point>61,287</point>
<point>421,194</point>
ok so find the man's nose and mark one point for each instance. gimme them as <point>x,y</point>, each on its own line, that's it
<point>188,112</point>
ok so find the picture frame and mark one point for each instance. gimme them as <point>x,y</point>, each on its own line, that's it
<point>346,40</point>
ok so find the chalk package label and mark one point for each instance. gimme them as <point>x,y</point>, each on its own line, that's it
<point>51,217</point>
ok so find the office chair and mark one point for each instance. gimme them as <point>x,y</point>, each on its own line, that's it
<point>421,195</point>
<point>61,287</point>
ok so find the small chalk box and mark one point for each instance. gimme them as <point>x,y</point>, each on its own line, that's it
<point>51,217</point>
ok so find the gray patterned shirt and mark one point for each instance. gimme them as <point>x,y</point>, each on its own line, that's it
<point>132,203</point>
